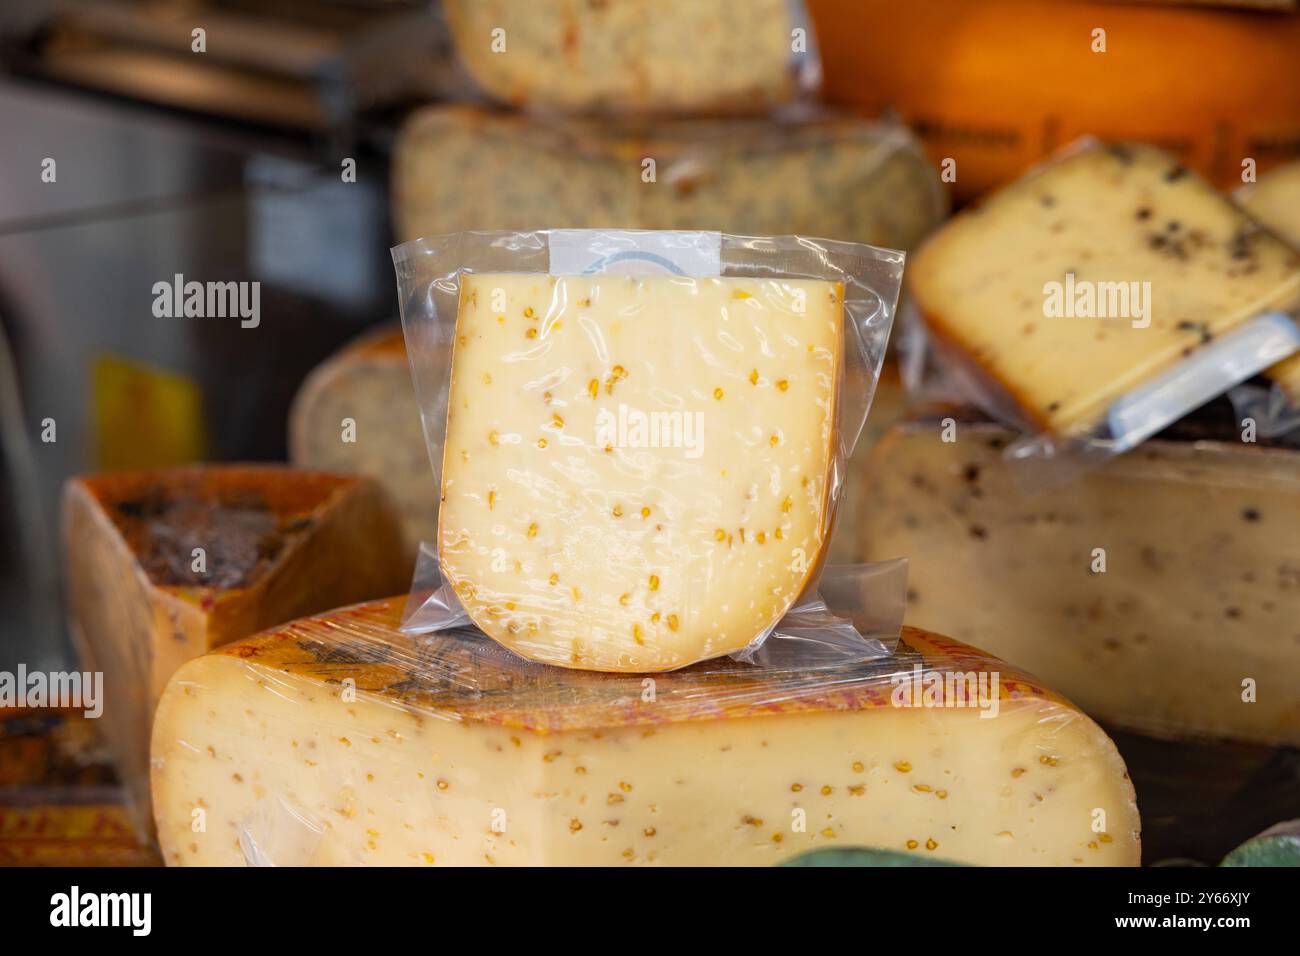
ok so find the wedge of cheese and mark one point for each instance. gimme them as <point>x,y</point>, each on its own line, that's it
<point>1275,201</point>
<point>637,471</point>
<point>460,168</point>
<point>997,86</point>
<point>1081,281</point>
<point>163,566</point>
<point>341,740</point>
<point>651,56</point>
<point>1193,627</point>
<point>356,414</point>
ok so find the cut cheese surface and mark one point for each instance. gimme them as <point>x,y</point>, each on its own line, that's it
<point>163,566</point>
<point>1083,280</point>
<point>1275,201</point>
<point>637,471</point>
<point>356,414</point>
<point>459,168</point>
<point>340,740</point>
<point>670,56</point>
<point>1199,600</point>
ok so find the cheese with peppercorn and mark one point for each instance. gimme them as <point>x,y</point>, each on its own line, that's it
<point>342,740</point>
<point>1090,276</point>
<point>163,566</point>
<point>1275,201</point>
<point>1160,591</point>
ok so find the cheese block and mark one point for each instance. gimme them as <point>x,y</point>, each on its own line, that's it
<point>999,85</point>
<point>356,414</point>
<point>1199,602</point>
<point>460,168</point>
<point>650,56</point>
<point>637,471</point>
<point>1104,268</point>
<point>162,566</point>
<point>1275,201</point>
<point>341,740</point>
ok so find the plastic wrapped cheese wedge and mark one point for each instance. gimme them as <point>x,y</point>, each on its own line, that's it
<point>356,414</point>
<point>650,56</point>
<point>341,740</point>
<point>1161,591</point>
<point>639,471</point>
<point>458,168</point>
<point>163,566</point>
<point>1077,292</point>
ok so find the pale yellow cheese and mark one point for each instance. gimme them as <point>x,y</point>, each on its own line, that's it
<point>1161,591</point>
<point>1102,215</point>
<point>1275,201</point>
<point>578,538</point>
<point>340,740</point>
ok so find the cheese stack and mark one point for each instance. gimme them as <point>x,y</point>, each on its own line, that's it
<point>1171,263</point>
<point>164,566</point>
<point>1161,591</point>
<point>341,740</point>
<point>638,472</point>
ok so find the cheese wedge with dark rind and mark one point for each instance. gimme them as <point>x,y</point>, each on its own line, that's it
<point>341,740</point>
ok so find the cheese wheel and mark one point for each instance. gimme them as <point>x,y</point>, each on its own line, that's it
<point>341,740</point>
<point>999,85</point>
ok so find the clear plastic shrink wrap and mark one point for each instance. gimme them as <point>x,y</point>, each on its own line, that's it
<point>1161,590</point>
<point>340,739</point>
<point>668,57</point>
<point>856,180</point>
<point>640,440</point>
<point>1100,298</point>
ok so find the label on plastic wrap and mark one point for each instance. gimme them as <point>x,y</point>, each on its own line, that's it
<point>635,252</point>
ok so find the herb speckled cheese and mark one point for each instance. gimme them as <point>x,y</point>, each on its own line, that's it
<point>1104,214</point>
<point>275,544</point>
<point>459,168</point>
<point>368,383</point>
<point>1275,201</point>
<point>654,56</point>
<point>341,740</point>
<point>1201,589</point>
<point>575,534</point>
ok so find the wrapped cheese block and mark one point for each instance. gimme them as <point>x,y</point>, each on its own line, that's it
<point>1082,281</point>
<point>341,740</point>
<point>638,473</point>
<point>163,566</point>
<point>459,168</point>
<point>1275,202</point>
<point>650,56</point>
<point>996,86</point>
<point>1160,591</point>
<point>356,414</point>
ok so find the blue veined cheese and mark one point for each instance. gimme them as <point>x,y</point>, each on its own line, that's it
<point>637,471</point>
<point>1103,220</point>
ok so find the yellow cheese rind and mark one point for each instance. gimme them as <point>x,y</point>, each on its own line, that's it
<point>1275,201</point>
<point>1103,215</point>
<point>637,471</point>
<point>670,56</point>
<point>1200,592</point>
<point>341,740</point>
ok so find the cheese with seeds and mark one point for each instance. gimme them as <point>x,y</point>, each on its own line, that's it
<point>1275,201</point>
<point>637,471</point>
<point>1171,264</point>
<point>1197,610</point>
<point>341,740</point>
<point>163,566</point>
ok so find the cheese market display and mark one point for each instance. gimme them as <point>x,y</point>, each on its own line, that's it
<point>1193,626</point>
<point>671,56</point>
<point>999,85</point>
<point>855,180</point>
<point>341,740</point>
<point>1148,261</point>
<point>637,471</point>
<point>163,566</point>
<point>356,414</point>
